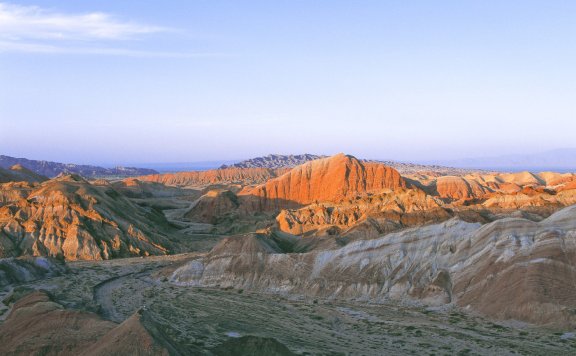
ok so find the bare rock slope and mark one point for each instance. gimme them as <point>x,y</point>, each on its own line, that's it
<point>508,269</point>
<point>201,179</point>
<point>330,179</point>
<point>71,218</point>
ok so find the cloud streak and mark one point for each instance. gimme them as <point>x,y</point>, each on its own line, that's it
<point>33,23</point>
<point>32,29</point>
<point>11,47</point>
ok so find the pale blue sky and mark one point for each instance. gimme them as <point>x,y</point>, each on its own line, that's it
<point>149,81</point>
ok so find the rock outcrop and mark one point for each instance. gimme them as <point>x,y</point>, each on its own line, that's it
<point>71,218</point>
<point>332,179</point>
<point>380,213</point>
<point>290,161</point>
<point>341,195</point>
<point>458,188</point>
<point>212,206</point>
<point>226,176</point>
<point>508,269</point>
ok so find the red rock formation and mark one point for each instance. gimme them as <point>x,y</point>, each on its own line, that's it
<point>386,212</point>
<point>458,188</point>
<point>332,179</point>
<point>243,176</point>
<point>71,218</point>
<point>212,205</point>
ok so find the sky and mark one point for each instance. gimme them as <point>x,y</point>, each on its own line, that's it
<point>136,81</point>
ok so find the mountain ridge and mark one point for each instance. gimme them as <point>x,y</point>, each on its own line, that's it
<point>276,161</point>
<point>52,169</point>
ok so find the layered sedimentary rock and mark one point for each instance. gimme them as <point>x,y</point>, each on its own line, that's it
<point>481,186</point>
<point>458,188</point>
<point>341,195</point>
<point>290,161</point>
<point>195,179</point>
<point>71,218</point>
<point>212,206</point>
<point>382,213</point>
<point>332,179</point>
<point>508,269</point>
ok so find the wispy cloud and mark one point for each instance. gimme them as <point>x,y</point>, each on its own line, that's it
<point>32,29</point>
<point>103,51</point>
<point>32,22</point>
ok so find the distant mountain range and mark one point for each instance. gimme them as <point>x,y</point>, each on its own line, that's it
<point>276,161</point>
<point>53,169</point>
<point>554,160</point>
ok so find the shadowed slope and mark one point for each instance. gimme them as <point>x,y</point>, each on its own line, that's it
<point>17,173</point>
<point>37,325</point>
<point>252,346</point>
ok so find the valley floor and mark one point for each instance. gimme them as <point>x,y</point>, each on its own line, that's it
<point>201,318</point>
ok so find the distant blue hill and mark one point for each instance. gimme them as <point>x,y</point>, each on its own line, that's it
<point>52,169</point>
<point>560,160</point>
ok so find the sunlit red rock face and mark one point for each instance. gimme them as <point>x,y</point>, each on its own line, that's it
<point>458,188</point>
<point>71,218</point>
<point>378,214</point>
<point>482,186</point>
<point>242,176</point>
<point>343,195</point>
<point>332,179</point>
<point>429,198</point>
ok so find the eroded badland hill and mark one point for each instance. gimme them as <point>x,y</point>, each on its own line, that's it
<point>335,255</point>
